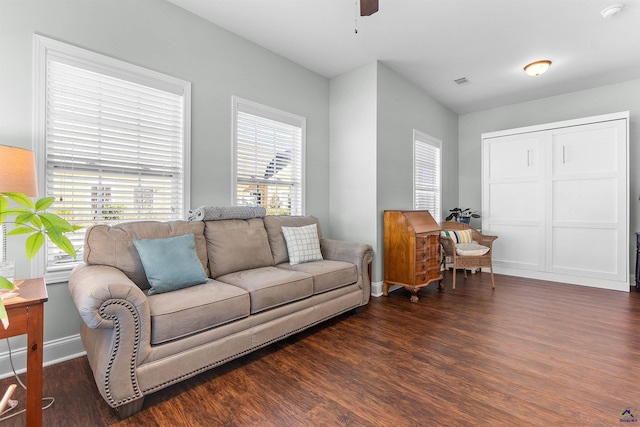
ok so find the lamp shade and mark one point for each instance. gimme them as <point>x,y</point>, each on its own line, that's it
<point>17,171</point>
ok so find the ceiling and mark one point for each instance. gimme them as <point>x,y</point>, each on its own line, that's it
<point>434,42</point>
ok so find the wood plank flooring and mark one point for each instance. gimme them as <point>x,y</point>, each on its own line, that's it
<point>529,353</point>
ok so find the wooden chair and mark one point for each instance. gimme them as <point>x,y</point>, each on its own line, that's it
<point>466,262</point>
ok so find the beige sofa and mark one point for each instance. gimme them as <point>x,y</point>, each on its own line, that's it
<point>138,343</point>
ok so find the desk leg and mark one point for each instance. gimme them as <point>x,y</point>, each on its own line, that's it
<point>35,326</point>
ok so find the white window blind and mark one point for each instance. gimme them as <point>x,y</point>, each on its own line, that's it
<point>113,146</point>
<point>268,158</point>
<point>427,174</point>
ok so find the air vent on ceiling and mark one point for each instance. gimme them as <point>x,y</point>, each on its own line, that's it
<point>461,81</point>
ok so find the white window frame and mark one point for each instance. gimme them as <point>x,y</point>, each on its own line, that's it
<point>423,138</point>
<point>271,113</point>
<point>43,49</point>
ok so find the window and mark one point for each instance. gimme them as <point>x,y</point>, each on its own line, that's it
<point>268,158</point>
<point>426,174</point>
<point>112,140</point>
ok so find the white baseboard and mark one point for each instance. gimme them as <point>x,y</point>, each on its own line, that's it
<point>594,282</point>
<point>55,351</point>
<point>376,288</point>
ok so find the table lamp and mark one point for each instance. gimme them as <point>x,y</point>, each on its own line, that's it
<point>17,175</point>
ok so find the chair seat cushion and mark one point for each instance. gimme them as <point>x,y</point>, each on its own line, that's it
<point>471,249</point>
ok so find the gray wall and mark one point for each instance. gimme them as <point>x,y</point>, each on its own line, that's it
<point>601,100</point>
<point>373,114</point>
<point>160,36</point>
<point>353,155</point>
<point>402,107</point>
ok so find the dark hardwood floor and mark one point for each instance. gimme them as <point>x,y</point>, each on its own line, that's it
<point>527,353</point>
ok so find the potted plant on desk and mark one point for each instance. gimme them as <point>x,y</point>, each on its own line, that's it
<point>18,183</point>
<point>31,219</point>
<point>462,215</point>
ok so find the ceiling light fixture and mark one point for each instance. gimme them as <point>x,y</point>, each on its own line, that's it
<point>611,11</point>
<point>537,68</point>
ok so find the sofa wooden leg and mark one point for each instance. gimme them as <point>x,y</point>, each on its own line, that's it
<point>128,409</point>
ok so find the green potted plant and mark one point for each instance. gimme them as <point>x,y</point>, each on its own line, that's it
<point>32,219</point>
<point>462,215</point>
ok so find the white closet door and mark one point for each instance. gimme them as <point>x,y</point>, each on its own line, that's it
<point>587,236</point>
<point>557,196</point>
<point>513,199</point>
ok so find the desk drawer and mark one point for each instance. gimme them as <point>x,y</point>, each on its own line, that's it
<point>427,247</point>
<point>423,266</point>
<point>427,276</point>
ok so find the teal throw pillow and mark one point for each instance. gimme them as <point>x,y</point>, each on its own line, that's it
<point>171,263</point>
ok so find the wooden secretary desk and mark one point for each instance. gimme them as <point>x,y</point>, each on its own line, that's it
<point>411,251</point>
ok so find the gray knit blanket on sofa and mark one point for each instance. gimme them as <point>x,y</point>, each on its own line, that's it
<point>212,213</point>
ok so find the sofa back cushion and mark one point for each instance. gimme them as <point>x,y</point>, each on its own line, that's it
<point>113,245</point>
<point>274,224</point>
<point>236,244</point>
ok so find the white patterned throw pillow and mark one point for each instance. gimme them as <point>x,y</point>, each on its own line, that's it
<point>302,243</point>
<point>458,236</point>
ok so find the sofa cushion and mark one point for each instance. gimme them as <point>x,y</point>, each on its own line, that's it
<point>170,263</point>
<point>274,224</point>
<point>236,244</point>
<point>113,245</point>
<point>191,310</point>
<point>327,274</point>
<point>303,244</point>
<point>271,286</point>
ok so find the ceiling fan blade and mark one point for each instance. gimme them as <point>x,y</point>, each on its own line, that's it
<point>368,7</point>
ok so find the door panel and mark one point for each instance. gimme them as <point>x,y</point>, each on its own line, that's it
<point>585,149</point>
<point>513,199</point>
<point>579,252</point>
<point>517,246</point>
<point>593,200</point>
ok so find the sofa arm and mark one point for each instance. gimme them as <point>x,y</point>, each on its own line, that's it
<point>356,253</point>
<point>116,330</point>
<point>93,285</point>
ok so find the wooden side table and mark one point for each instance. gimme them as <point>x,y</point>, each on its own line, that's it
<point>26,316</point>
